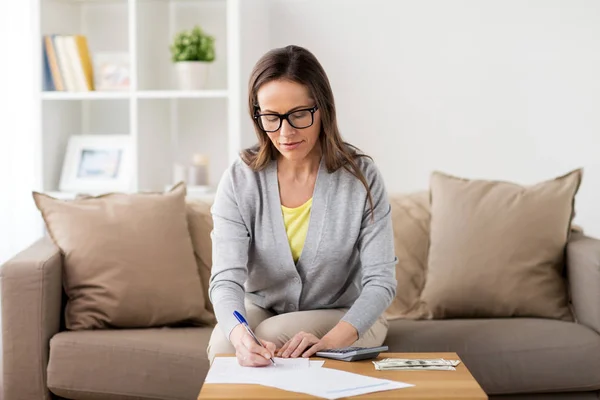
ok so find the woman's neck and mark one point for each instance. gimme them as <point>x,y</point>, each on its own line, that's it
<point>301,170</point>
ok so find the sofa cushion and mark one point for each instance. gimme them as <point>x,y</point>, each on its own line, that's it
<point>497,249</point>
<point>509,355</point>
<point>410,220</point>
<point>129,260</point>
<point>201,225</point>
<point>155,363</point>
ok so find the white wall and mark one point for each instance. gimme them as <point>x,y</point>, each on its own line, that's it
<point>502,89</point>
<point>19,225</point>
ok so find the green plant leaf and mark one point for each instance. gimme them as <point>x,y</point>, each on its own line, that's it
<point>193,45</point>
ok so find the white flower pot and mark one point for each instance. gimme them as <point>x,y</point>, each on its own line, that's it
<point>192,75</point>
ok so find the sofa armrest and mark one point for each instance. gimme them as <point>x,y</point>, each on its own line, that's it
<point>583,274</point>
<point>31,290</point>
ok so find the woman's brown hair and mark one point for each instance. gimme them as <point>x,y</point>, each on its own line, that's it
<point>299,65</point>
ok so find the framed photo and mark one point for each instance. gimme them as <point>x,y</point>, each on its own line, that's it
<point>96,164</point>
<point>111,71</point>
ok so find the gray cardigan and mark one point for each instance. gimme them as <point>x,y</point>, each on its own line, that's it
<point>348,260</point>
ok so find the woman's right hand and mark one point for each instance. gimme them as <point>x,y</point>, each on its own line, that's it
<point>247,351</point>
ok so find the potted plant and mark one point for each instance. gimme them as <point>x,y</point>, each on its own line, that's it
<point>192,52</point>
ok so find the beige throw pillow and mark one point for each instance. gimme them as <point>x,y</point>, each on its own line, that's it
<point>200,226</point>
<point>497,248</point>
<point>128,260</point>
<point>410,220</point>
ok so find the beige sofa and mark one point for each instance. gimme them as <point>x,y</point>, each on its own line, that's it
<point>517,358</point>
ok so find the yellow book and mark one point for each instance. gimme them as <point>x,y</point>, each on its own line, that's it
<point>86,60</point>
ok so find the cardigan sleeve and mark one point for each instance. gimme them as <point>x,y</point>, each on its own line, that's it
<point>376,247</point>
<point>230,243</point>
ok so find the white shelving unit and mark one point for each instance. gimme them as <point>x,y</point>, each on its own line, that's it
<point>166,125</point>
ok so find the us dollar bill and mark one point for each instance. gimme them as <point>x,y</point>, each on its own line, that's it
<point>406,364</point>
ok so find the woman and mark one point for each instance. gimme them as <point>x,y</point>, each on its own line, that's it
<point>302,240</point>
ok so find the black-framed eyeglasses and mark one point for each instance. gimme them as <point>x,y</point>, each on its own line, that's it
<point>299,119</point>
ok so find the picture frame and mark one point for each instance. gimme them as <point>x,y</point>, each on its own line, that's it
<point>111,71</point>
<point>96,164</point>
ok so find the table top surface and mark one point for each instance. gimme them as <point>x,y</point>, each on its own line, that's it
<point>458,384</point>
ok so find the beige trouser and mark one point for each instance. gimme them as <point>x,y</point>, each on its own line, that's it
<point>281,328</point>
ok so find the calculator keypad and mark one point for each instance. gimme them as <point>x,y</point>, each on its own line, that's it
<point>342,350</point>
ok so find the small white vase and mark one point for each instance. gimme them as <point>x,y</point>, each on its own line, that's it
<point>192,75</point>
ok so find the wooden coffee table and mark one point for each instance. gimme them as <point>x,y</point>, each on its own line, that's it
<point>458,384</point>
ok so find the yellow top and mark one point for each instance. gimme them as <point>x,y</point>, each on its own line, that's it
<point>296,226</point>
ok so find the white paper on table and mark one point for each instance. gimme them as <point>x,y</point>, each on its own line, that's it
<point>296,375</point>
<point>228,370</point>
<point>316,364</point>
<point>330,383</point>
<point>291,362</point>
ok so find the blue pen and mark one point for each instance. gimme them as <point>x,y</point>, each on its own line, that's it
<point>245,324</point>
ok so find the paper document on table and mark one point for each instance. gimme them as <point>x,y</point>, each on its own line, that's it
<point>316,364</point>
<point>299,375</point>
<point>228,369</point>
<point>291,363</point>
<point>330,383</point>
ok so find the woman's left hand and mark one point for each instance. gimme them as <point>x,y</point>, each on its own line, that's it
<point>302,344</point>
<point>320,345</point>
<point>297,345</point>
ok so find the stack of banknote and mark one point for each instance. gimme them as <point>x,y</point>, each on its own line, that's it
<point>414,364</point>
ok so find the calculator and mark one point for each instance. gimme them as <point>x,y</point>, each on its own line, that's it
<point>351,353</point>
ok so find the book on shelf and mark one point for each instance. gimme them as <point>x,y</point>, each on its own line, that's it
<point>67,64</point>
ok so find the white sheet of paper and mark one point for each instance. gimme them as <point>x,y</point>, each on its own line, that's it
<point>228,370</point>
<point>291,362</point>
<point>299,375</point>
<point>331,383</point>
